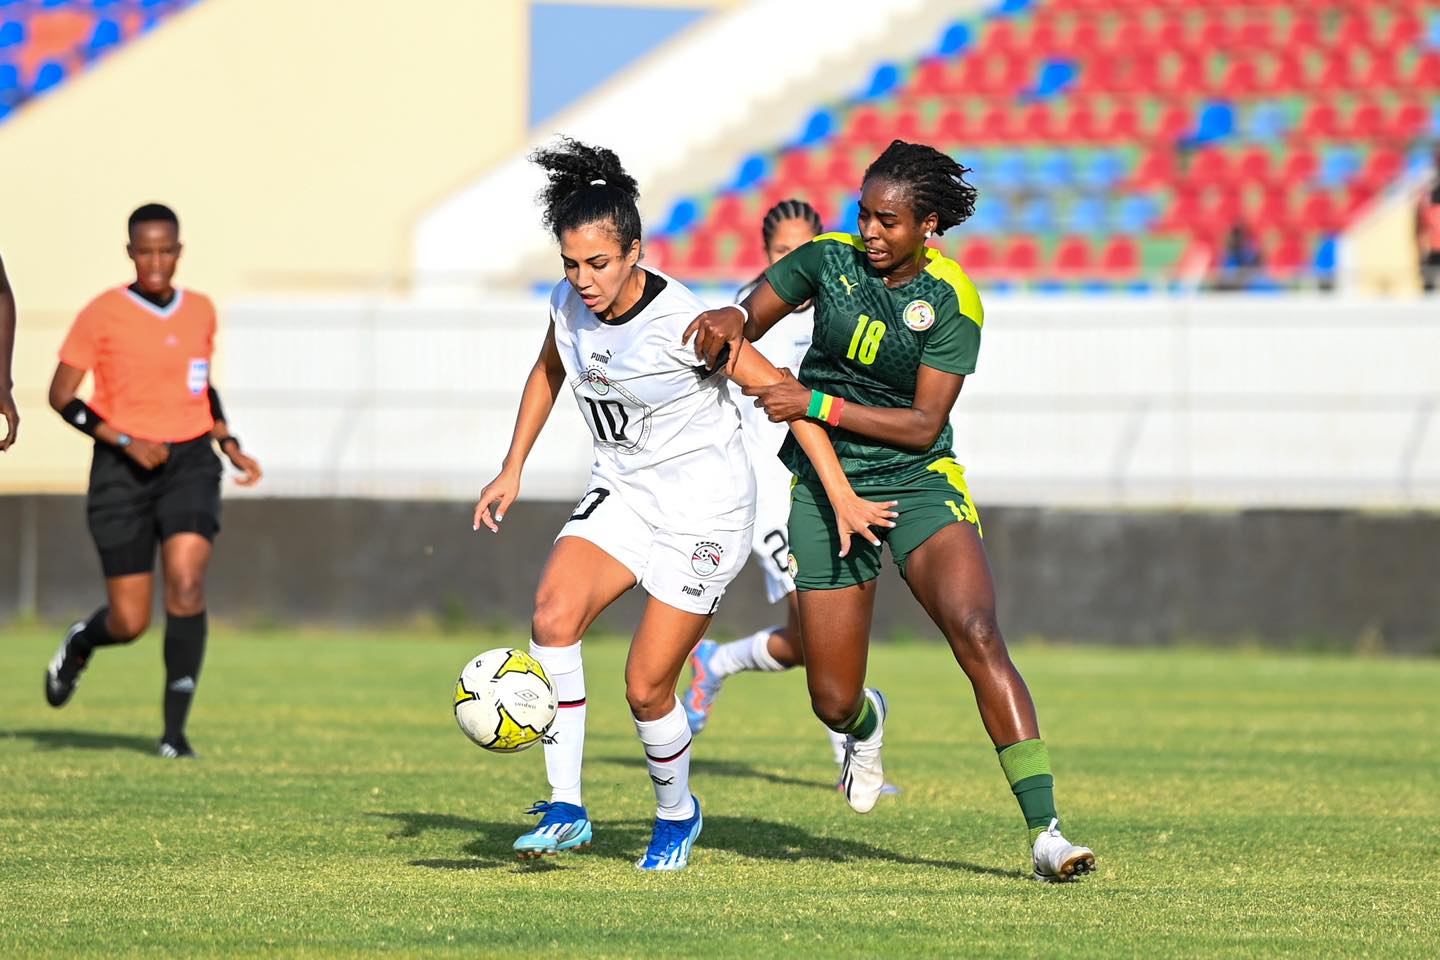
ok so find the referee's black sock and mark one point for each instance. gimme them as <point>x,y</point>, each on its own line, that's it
<point>95,634</point>
<point>184,650</point>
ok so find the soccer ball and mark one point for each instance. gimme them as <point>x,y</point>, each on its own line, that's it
<point>504,701</point>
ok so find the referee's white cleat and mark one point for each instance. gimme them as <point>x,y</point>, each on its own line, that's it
<point>63,673</point>
<point>1057,860</point>
<point>862,776</point>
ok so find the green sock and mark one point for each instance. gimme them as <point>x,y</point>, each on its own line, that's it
<point>1027,767</point>
<point>863,724</point>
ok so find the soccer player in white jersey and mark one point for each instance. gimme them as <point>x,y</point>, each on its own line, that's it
<point>670,501</point>
<point>786,225</point>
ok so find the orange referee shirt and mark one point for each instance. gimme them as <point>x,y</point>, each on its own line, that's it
<point>151,364</point>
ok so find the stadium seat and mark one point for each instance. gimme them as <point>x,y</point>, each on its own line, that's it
<point>933,78</point>
<point>12,34</point>
<point>1300,166</point>
<point>1137,213</point>
<point>728,212</point>
<point>1022,257</point>
<point>1037,215</point>
<point>952,127</point>
<point>977,257</point>
<point>1408,122</point>
<point>1322,121</point>
<point>1056,169</point>
<point>682,215</point>
<point>818,128</point>
<point>752,170</point>
<point>1072,257</point>
<point>1254,165</point>
<point>1086,215</point>
<point>107,34</point>
<point>1318,213</point>
<point>1266,123</point>
<point>954,40</point>
<point>1121,258</point>
<point>1368,122</point>
<point>1338,167</point>
<point>50,76</point>
<point>1287,257</point>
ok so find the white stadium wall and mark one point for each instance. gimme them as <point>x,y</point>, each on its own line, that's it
<point>1205,402</point>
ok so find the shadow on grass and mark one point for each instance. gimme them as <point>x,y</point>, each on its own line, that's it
<point>83,740</point>
<point>727,768</point>
<point>489,843</point>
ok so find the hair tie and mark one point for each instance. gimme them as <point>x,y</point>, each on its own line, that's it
<point>597,183</point>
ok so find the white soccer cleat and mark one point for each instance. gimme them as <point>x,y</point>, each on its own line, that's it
<point>1057,860</point>
<point>862,775</point>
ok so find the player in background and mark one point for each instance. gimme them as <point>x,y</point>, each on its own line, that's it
<point>7,353</point>
<point>154,479</point>
<point>897,330</point>
<point>670,501</point>
<point>786,226</point>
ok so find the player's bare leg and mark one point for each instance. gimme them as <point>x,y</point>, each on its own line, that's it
<point>579,581</point>
<point>124,617</point>
<point>950,576</point>
<point>835,631</point>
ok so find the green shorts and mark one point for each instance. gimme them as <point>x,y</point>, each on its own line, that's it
<point>928,502</point>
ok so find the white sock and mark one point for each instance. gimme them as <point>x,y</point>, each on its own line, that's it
<point>667,754</point>
<point>565,741</point>
<point>837,744</point>
<point>749,653</point>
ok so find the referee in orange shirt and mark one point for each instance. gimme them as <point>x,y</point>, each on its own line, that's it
<point>155,478</point>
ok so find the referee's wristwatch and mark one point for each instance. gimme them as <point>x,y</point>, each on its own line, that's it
<point>122,441</point>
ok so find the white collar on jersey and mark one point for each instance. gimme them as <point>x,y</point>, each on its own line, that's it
<point>164,313</point>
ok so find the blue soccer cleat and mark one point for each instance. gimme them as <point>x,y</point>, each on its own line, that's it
<point>564,826</point>
<point>670,843</point>
<point>704,685</point>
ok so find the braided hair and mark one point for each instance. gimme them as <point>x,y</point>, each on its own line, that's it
<point>587,185</point>
<point>936,181</point>
<point>791,209</point>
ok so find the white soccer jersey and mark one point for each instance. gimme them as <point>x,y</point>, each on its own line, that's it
<point>667,437</point>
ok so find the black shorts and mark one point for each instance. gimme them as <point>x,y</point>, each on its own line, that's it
<point>132,509</point>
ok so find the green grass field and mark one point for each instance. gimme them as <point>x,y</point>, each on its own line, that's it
<point>1239,804</point>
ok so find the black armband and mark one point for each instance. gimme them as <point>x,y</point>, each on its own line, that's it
<point>217,412</point>
<point>230,439</point>
<point>78,414</point>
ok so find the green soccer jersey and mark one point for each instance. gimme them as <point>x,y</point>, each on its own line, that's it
<point>870,341</point>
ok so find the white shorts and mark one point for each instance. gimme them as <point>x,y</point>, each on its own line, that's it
<point>688,570</point>
<point>771,541</point>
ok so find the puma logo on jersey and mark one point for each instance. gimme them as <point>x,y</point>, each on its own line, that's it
<point>602,357</point>
<point>849,287</point>
<point>693,591</point>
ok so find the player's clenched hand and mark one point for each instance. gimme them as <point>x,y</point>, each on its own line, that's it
<point>147,453</point>
<point>12,419</point>
<point>855,517</point>
<point>784,400</point>
<point>495,499</point>
<point>249,469</point>
<point>713,330</point>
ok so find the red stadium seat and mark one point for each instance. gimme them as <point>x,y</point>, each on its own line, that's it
<point>1121,258</point>
<point>1354,30</point>
<point>1256,34</point>
<point>1209,166</point>
<point>1289,73</point>
<point>1335,75</point>
<point>1254,165</point>
<point>995,125</point>
<point>1154,169</point>
<point>1383,166</point>
<point>1304,32</point>
<point>1300,167</point>
<point>700,258</point>
<point>1383,72</point>
<point>1000,36</point>
<point>909,126</point>
<point>1427,72</point>
<point>1273,209</point>
<point>1175,122</point>
<point>1081,124</point>
<point>1242,78</point>
<point>1072,257</point>
<point>1368,122</point>
<point>841,171</point>
<point>1287,257</point>
<point>1322,121</point>
<point>1409,122</point>
<point>1405,30</point>
<point>1022,258</point>
<point>977,256</point>
<point>1318,213</point>
<point>1123,124</point>
<point>933,78</point>
<point>868,126</point>
<point>953,126</point>
<point>660,254</point>
<point>1036,122</point>
<point>749,257</point>
<point>729,212</point>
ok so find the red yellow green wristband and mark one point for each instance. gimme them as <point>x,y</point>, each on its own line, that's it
<point>825,407</point>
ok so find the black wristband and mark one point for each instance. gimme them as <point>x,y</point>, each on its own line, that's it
<point>78,414</point>
<point>217,412</point>
<point>230,439</point>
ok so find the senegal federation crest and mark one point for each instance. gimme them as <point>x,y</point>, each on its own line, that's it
<point>705,558</point>
<point>919,315</point>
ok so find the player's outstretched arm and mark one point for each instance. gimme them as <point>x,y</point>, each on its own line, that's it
<point>714,330</point>
<point>852,514</point>
<point>536,402</point>
<point>7,351</point>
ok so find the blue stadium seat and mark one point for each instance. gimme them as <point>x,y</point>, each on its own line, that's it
<point>1137,212</point>
<point>1104,170</point>
<point>1010,171</point>
<point>682,215</point>
<point>1339,166</point>
<point>50,75</point>
<point>9,77</point>
<point>847,216</point>
<point>955,39</point>
<point>1432,33</point>
<point>1057,169</point>
<point>1217,121</point>
<point>1012,7</point>
<point>1267,123</point>
<point>818,128</point>
<point>5,110</point>
<point>885,79</point>
<point>1087,214</point>
<point>1055,76</point>
<point>752,170</point>
<point>1037,216</point>
<point>992,215</point>
<point>107,34</point>
<point>1325,257</point>
<point>12,33</point>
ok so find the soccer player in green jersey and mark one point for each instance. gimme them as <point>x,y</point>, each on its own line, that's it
<point>897,330</point>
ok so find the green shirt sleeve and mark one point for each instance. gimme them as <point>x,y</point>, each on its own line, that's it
<point>954,343</point>
<point>795,277</point>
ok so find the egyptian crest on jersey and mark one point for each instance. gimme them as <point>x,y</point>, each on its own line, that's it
<point>705,558</point>
<point>597,380</point>
<point>919,315</point>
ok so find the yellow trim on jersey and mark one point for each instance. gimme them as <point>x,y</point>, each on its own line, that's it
<point>942,267</point>
<point>954,474</point>
<point>846,238</point>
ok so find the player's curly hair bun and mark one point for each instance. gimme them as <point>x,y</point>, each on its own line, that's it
<point>936,181</point>
<point>587,185</point>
